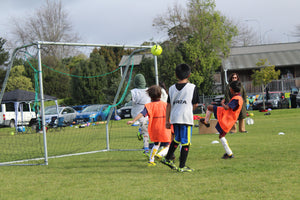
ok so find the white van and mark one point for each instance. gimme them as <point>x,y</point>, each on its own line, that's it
<point>8,115</point>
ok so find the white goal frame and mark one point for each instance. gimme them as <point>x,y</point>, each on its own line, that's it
<point>39,45</point>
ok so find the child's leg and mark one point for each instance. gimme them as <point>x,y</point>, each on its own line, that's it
<point>209,111</point>
<point>186,135</point>
<point>153,151</point>
<point>144,129</point>
<point>226,146</point>
<point>172,148</point>
<point>163,152</point>
<point>205,120</point>
<point>183,155</point>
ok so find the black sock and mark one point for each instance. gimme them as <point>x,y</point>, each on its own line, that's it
<point>183,155</point>
<point>172,148</point>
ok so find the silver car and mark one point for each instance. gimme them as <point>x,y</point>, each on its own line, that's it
<point>67,113</point>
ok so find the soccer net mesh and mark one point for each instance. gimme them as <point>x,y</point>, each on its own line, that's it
<point>35,143</point>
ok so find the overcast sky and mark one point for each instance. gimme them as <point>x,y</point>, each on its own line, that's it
<point>130,21</point>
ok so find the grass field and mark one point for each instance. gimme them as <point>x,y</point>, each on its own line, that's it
<point>266,166</point>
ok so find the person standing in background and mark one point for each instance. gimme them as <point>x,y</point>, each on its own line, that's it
<point>243,113</point>
<point>164,94</point>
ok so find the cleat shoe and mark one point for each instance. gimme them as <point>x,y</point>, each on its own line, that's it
<point>202,120</point>
<point>151,164</point>
<point>185,169</point>
<point>168,163</point>
<point>139,136</point>
<point>158,157</point>
<point>243,131</point>
<point>226,156</point>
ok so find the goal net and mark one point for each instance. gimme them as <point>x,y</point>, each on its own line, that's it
<point>87,78</point>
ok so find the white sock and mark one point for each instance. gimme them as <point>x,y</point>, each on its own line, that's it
<point>207,115</point>
<point>226,146</point>
<point>164,151</point>
<point>153,152</point>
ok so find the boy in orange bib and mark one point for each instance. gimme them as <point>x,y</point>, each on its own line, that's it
<point>226,115</point>
<point>156,112</point>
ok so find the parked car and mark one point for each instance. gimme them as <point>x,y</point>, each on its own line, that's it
<point>93,113</point>
<point>125,111</point>
<point>201,109</point>
<point>276,100</point>
<point>67,113</point>
<point>217,100</point>
<point>79,108</point>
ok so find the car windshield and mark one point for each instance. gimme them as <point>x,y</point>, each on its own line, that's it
<point>128,104</point>
<point>93,108</point>
<point>52,110</point>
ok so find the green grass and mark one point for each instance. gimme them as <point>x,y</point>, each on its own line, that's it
<point>266,166</point>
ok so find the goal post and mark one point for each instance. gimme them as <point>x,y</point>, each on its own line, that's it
<point>98,136</point>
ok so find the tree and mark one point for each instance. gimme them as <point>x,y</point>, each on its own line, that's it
<point>246,36</point>
<point>264,75</point>
<point>17,80</point>
<point>99,85</point>
<point>4,55</point>
<point>202,35</point>
<point>48,23</point>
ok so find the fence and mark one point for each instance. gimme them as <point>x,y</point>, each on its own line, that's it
<point>283,85</point>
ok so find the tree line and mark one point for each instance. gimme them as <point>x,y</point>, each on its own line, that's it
<point>198,35</point>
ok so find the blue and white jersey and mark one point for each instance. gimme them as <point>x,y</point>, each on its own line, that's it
<point>181,104</point>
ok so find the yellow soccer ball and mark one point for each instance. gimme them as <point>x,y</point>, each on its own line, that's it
<point>156,50</point>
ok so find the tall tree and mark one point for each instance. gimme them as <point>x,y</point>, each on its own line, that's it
<point>246,36</point>
<point>202,35</point>
<point>4,55</point>
<point>51,23</point>
<point>48,23</point>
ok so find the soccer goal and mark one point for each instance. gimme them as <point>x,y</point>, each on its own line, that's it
<point>34,145</point>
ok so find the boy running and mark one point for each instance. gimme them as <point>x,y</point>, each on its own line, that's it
<point>183,99</point>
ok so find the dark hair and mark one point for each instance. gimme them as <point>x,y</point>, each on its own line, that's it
<point>162,85</point>
<point>235,86</point>
<point>154,92</point>
<point>230,79</point>
<point>182,71</point>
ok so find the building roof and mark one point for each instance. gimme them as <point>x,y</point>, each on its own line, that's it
<point>22,96</point>
<point>283,54</point>
<point>136,59</point>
